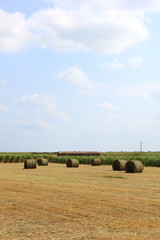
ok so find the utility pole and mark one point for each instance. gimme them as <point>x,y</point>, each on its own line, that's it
<point>141,146</point>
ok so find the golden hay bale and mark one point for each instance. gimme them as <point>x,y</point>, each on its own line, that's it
<point>30,163</point>
<point>134,167</point>
<point>96,162</point>
<point>119,165</point>
<point>42,162</point>
<point>72,163</point>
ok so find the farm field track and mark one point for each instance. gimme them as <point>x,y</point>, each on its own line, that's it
<point>58,203</point>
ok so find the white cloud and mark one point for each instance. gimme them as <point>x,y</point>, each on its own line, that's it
<point>114,65</point>
<point>104,26</point>
<point>4,108</point>
<point>145,6</point>
<point>40,111</point>
<point>14,35</point>
<point>108,31</point>
<point>76,77</point>
<point>144,91</point>
<point>39,102</point>
<point>134,62</point>
<point>106,106</point>
<point>101,26</point>
<point>148,5</point>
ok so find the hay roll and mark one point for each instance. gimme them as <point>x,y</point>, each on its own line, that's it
<point>72,163</point>
<point>30,163</point>
<point>119,165</point>
<point>96,162</point>
<point>42,162</point>
<point>134,167</point>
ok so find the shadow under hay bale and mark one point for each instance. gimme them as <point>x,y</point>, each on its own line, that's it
<point>96,162</point>
<point>134,167</point>
<point>72,163</point>
<point>30,163</point>
<point>119,165</point>
<point>42,162</point>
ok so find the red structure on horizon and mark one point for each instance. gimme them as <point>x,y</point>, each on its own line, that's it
<point>78,153</point>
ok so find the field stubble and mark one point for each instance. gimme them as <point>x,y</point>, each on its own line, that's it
<point>58,203</point>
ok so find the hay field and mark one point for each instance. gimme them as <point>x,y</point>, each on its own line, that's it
<point>85,203</point>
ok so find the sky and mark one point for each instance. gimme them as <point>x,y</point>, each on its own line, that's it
<point>79,75</point>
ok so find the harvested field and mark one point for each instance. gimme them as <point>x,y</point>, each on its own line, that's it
<point>85,203</point>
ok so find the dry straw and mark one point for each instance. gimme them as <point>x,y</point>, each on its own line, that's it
<point>134,167</point>
<point>119,165</point>
<point>96,162</point>
<point>42,162</point>
<point>72,163</point>
<point>30,163</point>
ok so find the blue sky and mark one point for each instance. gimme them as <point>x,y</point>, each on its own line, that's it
<point>79,75</point>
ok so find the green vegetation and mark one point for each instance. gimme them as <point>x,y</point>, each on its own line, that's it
<point>107,158</point>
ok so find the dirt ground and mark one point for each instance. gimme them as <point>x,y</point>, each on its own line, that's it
<point>87,203</point>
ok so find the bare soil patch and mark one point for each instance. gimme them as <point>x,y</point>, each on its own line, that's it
<point>87,203</point>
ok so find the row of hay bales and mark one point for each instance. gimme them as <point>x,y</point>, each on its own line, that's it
<point>128,166</point>
<point>32,163</point>
<point>75,162</point>
<point>117,165</point>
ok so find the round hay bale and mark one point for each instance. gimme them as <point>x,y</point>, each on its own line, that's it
<point>72,163</point>
<point>134,167</point>
<point>119,165</point>
<point>42,162</point>
<point>30,163</point>
<point>96,162</point>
